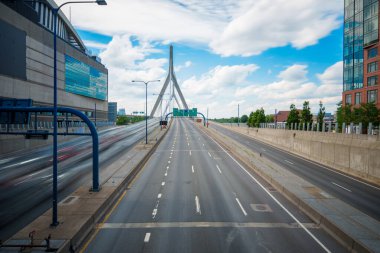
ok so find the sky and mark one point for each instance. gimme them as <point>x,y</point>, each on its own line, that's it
<point>255,53</point>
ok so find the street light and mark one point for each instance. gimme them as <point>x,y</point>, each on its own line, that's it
<point>146,105</point>
<point>55,123</point>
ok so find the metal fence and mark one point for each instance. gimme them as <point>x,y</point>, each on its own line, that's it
<point>325,127</point>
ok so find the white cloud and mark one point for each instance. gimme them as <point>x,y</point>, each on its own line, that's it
<point>180,67</point>
<point>215,89</point>
<point>229,28</point>
<point>331,80</point>
<point>295,87</point>
<point>220,77</point>
<point>94,44</point>
<point>277,23</point>
<point>126,62</point>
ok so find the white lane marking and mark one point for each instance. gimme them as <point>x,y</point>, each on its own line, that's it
<point>190,152</point>
<point>219,169</point>
<point>288,161</point>
<point>167,167</point>
<point>147,237</point>
<point>241,207</point>
<point>263,149</point>
<point>277,201</point>
<point>203,144</point>
<point>154,213</point>
<point>159,195</point>
<point>188,144</point>
<point>209,154</point>
<point>344,188</point>
<point>197,205</point>
<point>163,183</point>
<point>170,157</point>
<point>192,168</point>
<point>168,161</point>
<point>166,174</point>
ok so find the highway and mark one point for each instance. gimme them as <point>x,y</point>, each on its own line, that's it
<point>192,196</point>
<point>354,192</point>
<point>26,176</point>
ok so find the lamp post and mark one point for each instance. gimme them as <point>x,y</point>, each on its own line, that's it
<point>238,114</point>
<point>55,124</point>
<point>146,105</point>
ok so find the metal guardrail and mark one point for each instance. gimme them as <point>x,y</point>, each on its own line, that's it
<point>86,120</point>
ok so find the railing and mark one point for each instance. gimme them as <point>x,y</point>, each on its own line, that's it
<point>324,127</point>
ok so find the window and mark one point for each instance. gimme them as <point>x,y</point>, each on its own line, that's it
<point>372,96</point>
<point>372,52</point>
<point>371,67</point>
<point>358,96</point>
<point>348,99</point>
<point>372,80</point>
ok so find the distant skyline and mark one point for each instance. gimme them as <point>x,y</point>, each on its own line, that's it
<point>254,53</point>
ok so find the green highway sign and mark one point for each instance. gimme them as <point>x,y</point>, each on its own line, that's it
<point>185,112</point>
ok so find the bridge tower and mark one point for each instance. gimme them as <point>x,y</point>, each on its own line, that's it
<point>170,78</point>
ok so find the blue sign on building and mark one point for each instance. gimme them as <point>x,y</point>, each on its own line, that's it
<point>85,80</point>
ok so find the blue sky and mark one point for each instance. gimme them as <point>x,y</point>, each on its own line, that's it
<point>256,53</point>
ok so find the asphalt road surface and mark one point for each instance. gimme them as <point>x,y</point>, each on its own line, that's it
<point>363,196</point>
<point>192,196</point>
<point>26,176</point>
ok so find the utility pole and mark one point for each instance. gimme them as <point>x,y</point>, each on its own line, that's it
<point>146,105</point>
<point>238,114</point>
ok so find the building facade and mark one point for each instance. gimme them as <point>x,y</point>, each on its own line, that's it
<point>112,111</point>
<point>361,52</point>
<point>26,61</point>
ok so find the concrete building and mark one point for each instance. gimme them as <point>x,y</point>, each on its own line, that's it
<point>361,57</point>
<point>26,65</point>
<point>112,111</point>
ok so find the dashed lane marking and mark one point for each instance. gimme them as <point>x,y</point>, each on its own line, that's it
<point>289,162</point>
<point>197,205</point>
<point>241,207</point>
<point>147,237</point>
<point>344,188</point>
<point>218,169</point>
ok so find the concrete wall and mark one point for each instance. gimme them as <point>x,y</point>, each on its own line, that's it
<point>38,84</point>
<point>355,154</point>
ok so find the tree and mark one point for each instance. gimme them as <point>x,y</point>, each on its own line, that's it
<point>250,118</point>
<point>365,114</point>
<point>306,116</point>
<point>122,120</point>
<point>269,118</point>
<point>244,119</point>
<point>321,115</point>
<point>293,116</point>
<point>257,117</point>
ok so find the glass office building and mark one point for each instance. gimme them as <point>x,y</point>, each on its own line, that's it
<point>360,51</point>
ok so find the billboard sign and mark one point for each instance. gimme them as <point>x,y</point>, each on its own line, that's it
<point>84,80</point>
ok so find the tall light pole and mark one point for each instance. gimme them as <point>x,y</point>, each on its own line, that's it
<point>238,114</point>
<point>146,105</point>
<point>55,123</point>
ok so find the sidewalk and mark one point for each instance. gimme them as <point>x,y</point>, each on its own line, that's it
<point>82,210</point>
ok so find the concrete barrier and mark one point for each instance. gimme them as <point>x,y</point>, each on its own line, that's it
<point>354,154</point>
